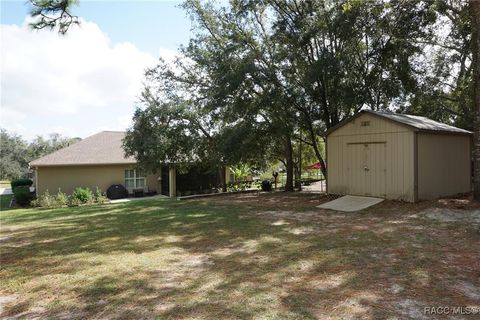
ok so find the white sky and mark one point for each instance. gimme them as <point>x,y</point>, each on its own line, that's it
<point>75,85</point>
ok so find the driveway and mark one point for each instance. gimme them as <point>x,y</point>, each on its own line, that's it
<point>7,191</point>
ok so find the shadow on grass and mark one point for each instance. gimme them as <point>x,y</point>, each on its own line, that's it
<point>208,260</point>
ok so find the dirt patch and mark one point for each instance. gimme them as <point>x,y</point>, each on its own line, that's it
<point>198,262</point>
<point>272,200</point>
<point>319,215</point>
<point>395,288</point>
<point>452,215</point>
<point>6,299</point>
<point>469,290</point>
<point>304,201</point>
<point>460,202</point>
<point>411,309</point>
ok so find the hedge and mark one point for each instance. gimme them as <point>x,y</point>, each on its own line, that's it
<point>23,196</point>
<point>20,182</point>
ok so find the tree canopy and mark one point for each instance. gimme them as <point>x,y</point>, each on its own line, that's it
<point>16,153</point>
<point>53,14</point>
<point>258,76</point>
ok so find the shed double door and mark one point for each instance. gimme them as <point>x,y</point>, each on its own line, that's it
<point>366,169</point>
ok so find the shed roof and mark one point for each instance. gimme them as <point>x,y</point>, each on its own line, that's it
<point>105,147</point>
<point>415,122</point>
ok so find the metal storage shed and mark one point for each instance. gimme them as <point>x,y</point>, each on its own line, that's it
<point>398,156</point>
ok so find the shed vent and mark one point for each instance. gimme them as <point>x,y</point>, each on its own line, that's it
<point>365,123</point>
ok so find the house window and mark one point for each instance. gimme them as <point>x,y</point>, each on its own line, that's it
<point>134,179</point>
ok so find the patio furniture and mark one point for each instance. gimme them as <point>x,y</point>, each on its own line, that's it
<point>138,193</point>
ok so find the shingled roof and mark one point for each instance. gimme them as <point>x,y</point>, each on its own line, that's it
<point>102,148</point>
<point>418,122</point>
<point>415,122</point>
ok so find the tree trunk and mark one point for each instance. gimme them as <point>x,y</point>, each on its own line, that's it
<point>296,174</point>
<point>313,138</point>
<point>289,166</point>
<point>221,175</point>
<point>475,15</point>
<point>299,168</point>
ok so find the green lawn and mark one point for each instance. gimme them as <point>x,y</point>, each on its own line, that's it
<point>5,201</point>
<point>238,257</point>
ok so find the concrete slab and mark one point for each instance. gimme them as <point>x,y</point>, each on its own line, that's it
<point>158,196</point>
<point>350,203</point>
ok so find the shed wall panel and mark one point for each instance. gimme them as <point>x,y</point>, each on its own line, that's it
<point>398,182</point>
<point>444,165</point>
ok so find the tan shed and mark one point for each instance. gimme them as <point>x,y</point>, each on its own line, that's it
<point>397,156</point>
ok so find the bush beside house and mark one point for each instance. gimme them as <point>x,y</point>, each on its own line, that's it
<point>21,191</point>
<point>23,195</point>
<point>80,196</point>
<point>20,182</point>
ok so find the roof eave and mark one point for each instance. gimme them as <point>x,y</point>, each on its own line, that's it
<point>34,165</point>
<point>344,122</point>
<point>456,133</point>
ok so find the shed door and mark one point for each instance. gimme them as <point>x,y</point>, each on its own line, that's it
<point>367,169</point>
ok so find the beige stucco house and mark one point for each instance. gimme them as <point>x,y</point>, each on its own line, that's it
<point>99,161</point>
<point>397,156</point>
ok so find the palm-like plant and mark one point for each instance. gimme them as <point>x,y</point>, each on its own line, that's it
<point>240,171</point>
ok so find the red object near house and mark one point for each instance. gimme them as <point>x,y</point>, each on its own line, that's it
<point>314,166</point>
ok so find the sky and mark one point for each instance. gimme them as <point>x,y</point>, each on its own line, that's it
<point>90,79</point>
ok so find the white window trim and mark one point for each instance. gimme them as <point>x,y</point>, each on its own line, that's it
<point>134,178</point>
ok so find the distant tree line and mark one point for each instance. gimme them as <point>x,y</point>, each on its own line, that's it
<point>16,153</point>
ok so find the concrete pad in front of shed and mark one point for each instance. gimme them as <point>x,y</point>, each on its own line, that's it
<point>350,203</point>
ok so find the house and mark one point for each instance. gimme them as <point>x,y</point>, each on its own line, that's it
<point>99,161</point>
<point>396,156</point>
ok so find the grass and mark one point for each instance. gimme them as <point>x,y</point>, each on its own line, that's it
<point>5,202</point>
<point>245,256</point>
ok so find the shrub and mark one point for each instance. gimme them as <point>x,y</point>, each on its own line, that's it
<point>266,185</point>
<point>50,201</point>
<point>20,182</point>
<point>61,199</point>
<point>35,203</point>
<point>238,186</point>
<point>23,196</point>
<point>81,196</point>
<point>74,202</point>
<point>100,196</point>
<point>46,200</point>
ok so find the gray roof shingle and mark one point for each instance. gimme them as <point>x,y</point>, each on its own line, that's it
<point>421,123</point>
<point>414,122</point>
<point>102,148</point>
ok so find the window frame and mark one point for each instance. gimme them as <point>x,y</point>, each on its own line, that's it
<point>137,175</point>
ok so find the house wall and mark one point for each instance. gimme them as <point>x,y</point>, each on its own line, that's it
<point>396,158</point>
<point>67,178</point>
<point>444,165</point>
<point>153,183</point>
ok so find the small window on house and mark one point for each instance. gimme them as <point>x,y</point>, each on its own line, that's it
<point>134,179</point>
<point>365,123</point>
